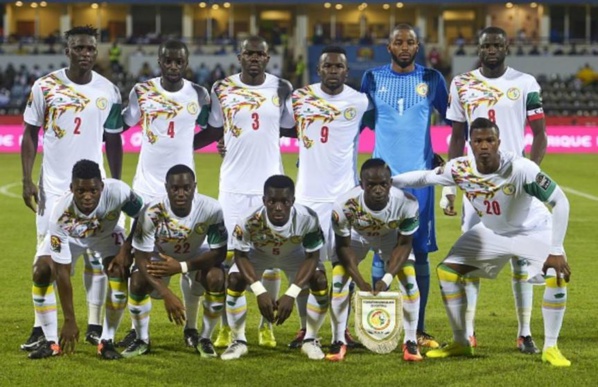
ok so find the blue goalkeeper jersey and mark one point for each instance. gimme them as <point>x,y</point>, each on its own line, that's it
<point>404,103</point>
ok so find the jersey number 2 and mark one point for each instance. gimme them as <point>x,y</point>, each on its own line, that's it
<point>77,125</point>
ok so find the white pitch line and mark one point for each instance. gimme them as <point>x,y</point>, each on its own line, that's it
<point>4,190</point>
<point>579,193</point>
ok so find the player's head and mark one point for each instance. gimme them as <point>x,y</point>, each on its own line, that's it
<point>180,187</point>
<point>484,139</point>
<point>86,185</point>
<point>493,47</point>
<point>376,181</point>
<point>403,45</point>
<point>279,197</point>
<point>81,47</point>
<point>333,68</point>
<point>254,56</point>
<point>173,58</point>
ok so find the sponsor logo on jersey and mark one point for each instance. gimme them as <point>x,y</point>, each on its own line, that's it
<point>350,113</point>
<point>238,233</point>
<point>513,93</point>
<point>55,243</point>
<point>296,239</point>
<point>543,181</point>
<point>193,108</point>
<point>112,215</point>
<point>508,189</point>
<point>200,228</point>
<point>422,89</point>
<point>276,101</point>
<point>102,103</point>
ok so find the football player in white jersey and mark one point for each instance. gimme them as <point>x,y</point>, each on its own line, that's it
<point>77,109</point>
<point>278,234</point>
<point>375,216</point>
<point>86,217</point>
<point>169,108</point>
<point>511,99</point>
<point>327,116</point>
<point>249,110</point>
<point>508,192</point>
<point>177,225</point>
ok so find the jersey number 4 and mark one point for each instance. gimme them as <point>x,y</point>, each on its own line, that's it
<point>170,130</point>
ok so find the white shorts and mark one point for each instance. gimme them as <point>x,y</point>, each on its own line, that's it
<point>469,216</point>
<point>46,204</point>
<point>324,211</point>
<point>234,205</point>
<point>489,252</point>
<point>290,266</point>
<point>384,246</point>
<point>103,247</point>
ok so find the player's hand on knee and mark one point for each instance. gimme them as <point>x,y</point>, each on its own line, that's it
<point>69,335</point>
<point>120,264</point>
<point>166,267</point>
<point>560,265</point>
<point>175,309</point>
<point>264,302</point>
<point>447,201</point>
<point>30,195</point>
<point>284,307</point>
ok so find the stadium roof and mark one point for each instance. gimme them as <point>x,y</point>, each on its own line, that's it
<point>298,2</point>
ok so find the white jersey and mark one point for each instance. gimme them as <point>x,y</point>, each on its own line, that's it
<point>350,213</point>
<point>254,233</point>
<point>168,120</point>
<point>74,118</point>
<point>159,229</point>
<point>328,134</point>
<point>252,117</point>
<point>508,101</point>
<point>69,225</point>
<point>508,201</point>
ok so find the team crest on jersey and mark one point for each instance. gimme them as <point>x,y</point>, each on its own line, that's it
<point>55,243</point>
<point>393,224</point>
<point>112,215</point>
<point>238,233</point>
<point>513,93</point>
<point>508,189</point>
<point>200,228</point>
<point>296,239</point>
<point>192,108</point>
<point>350,113</point>
<point>422,89</point>
<point>543,181</point>
<point>276,101</point>
<point>102,103</point>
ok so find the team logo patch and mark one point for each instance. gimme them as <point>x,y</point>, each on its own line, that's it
<point>102,103</point>
<point>422,89</point>
<point>543,181</point>
<point>393,224</point>
<point>112,215</point>
<point>350,113</point>
<point>276,101</point>
<point>296,239</point>
<point>238,233</point>
<point>513,93</point>
<point>200,228</point>
<point>378,319</point>
<point>55,243</point>
<point>508,189</point>
<point>192,108</point>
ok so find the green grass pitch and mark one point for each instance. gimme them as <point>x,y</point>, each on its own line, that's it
<point>497,362</point>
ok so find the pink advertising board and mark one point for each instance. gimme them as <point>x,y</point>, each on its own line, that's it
<point>561,139</point>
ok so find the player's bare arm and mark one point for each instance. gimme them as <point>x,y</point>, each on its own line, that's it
<point>264,301</point>
<point>398,257</point>
<point>560,265</point>
<point>284,305</point>
<point>207,136</point>
<point>348,259</point>
<point>28,153</point>
<point>174,306</point>
<point>114,154</point>
<point>540,141</point>
<point>69,334</point>
<point>456,149</point>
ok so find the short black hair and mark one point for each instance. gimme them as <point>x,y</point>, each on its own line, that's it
<point>180,169</point>
<point>333,50</point>
<point>81,30</point>
<point>483,123</point>
<point>279,182</point>
<point>372,164</point>
<point>254,39</point>
<point>86,170</point>
<point>172,44</point>
<point>400,27</point>
<point>493,30</point>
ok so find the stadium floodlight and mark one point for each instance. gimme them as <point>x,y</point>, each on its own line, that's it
<point>202,5</point>
<point>509,5</point>
<point>215,6</point>
<point>327,5</point>
<point>533,4</point>
<point>43,4</point>
<point>338,6</point>
<point>226,5</point>
<point>19,3</point>
<point>400,5</point>
<point>385,6</point>
<point>33,5</point>
<point>94,5</point>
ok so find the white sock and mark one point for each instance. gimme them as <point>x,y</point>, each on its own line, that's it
<point>317,306</point>
<point>410,292</point>
<point>236,313</point>
<point>339,303</point>
<point>455,302</point>
<point>523,292</point>
<point>96,287</point>
<point>271,281</point>
<point>553,310</point>
<point>472,290</point>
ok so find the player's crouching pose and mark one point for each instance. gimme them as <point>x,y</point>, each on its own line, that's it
<point>84,218</point>
<point>507,192</point>
<point>176,226</point>
<point>374,216</point>
<point>278,234</point>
